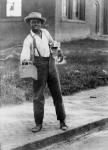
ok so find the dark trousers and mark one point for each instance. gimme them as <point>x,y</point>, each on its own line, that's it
<point>47,74</point>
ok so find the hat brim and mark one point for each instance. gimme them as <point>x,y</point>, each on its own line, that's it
<point>28,19</point>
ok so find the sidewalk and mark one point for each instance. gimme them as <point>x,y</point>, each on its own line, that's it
<point>81,108</point>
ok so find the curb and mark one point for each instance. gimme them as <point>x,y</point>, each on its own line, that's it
<point>97,125</point>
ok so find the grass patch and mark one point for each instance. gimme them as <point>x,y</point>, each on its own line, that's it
<point>78,77</point>
<point>10,93</point>
<point>86,60</point>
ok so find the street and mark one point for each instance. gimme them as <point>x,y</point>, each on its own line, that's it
<point>94,141</point>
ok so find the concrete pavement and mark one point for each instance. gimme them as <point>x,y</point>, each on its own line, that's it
<point>82,110</point>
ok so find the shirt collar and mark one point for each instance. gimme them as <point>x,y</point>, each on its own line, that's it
<point>32,33</point>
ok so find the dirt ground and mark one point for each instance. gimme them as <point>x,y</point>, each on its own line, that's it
<point>82,108</point>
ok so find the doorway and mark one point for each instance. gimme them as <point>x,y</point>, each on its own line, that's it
<point>97,17</point>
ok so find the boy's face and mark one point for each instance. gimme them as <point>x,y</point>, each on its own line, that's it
<point>35,24</point>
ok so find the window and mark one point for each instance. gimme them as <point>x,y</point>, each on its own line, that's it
<point>105,18</point>
<point>14,8</point>
<point>73,9</point>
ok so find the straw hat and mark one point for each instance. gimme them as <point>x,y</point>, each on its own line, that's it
<point>34,15</point>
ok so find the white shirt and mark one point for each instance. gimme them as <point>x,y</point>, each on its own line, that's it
<point>41,43</point>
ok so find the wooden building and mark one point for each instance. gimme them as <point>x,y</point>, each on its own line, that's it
<point>66,19</point>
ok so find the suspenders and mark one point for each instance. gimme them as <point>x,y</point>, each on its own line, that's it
<point>35,46</point>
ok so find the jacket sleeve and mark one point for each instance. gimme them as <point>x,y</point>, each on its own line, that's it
<point>25,54</point>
